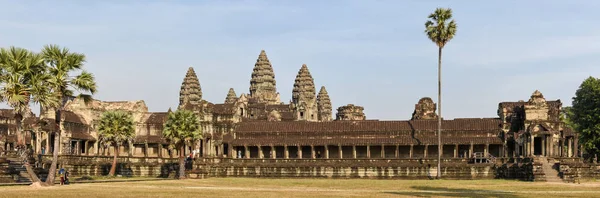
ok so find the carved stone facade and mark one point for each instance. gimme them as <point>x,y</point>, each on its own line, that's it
<point>190,89</point>
<point>304,102</point>
<point>231,97</point>
<point>350,112</point>
<point>324,105</point>
<point>262,84</point>
<point>258,125</point>
<point>534,128</point>
<point>425,110</point>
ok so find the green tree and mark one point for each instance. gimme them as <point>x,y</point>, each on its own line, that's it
<point>63,81</point>
<point>18,65</point>
<point>182,127</point>
<point>440,28</point>
<point>585,115</point>
<point>116,127</point>
<point>22,80</point>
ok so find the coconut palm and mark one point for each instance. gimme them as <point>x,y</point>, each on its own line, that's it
<point>62,64</point>
<point>182,127</point>
<point>116,127</point>
<point>440,29</point>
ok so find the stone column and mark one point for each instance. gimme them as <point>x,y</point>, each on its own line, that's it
<point>85,147</point>
<point>576,147</point>
<point>410,153</point>
<point>38,142</point>
<point>562,148</point>
<point>486,150</point>
<point>47,151</point>
<point>425,152</point>
<point>326,152</point>
<point>397,153</point>
<point>312,151</point>
<point>96,150</point>
<point>368,151</point>
<point>531,146</point>
<point>246,152</point>
<point>570,147</point>
<point>544,145</point>
<point>160,150</point>
<point>456,151</point>
<point>261,155</point>
<point>471,150</point>
<point>273,153</point>
<point>382,151</point>
<point>354,151</point>
<point>232,151</point>
<point>340,151</point>
<point>287,152</point>
<point>299,152</point>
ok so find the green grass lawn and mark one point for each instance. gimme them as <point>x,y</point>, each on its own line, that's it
<point>256,187</point>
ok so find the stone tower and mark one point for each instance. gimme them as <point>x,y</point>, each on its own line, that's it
<point>424,110</point>
<point>324,105</point>
<point>537,107</point>
<point>350,112</point>
<point>304,101</point>
<point>190,92</point>
<point>262,84</point>
<point>231,97</point>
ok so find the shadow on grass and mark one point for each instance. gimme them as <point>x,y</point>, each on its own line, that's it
<point>426,191</point>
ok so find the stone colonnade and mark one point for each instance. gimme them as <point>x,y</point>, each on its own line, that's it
<point>362,151</point>
<point>547,145</point>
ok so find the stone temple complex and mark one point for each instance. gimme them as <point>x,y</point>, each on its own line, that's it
<point>257,129</point>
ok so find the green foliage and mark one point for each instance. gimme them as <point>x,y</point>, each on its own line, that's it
<point>21,72</point>
<point>441,28</point>
<point>585,114</point>
<point>566,116</point>
<point>116,126</point>
<point>182,126</point>
<point>61,64</point>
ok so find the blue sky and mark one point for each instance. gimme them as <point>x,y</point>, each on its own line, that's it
<point>369,53</point>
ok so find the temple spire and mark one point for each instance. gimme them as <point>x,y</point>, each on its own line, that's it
<point>304,96</point>
<point>262,83</point>
<point>231,96</point>
<point>324,105</point>
<point>304,86</point>
<point>190,89</point>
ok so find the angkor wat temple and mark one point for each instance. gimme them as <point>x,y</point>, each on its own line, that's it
<point>258,125</point>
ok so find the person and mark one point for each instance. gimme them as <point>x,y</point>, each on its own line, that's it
<point>43,150</point>
<point>67,178</point>
<point>239,154</point>
<point>61,173</point>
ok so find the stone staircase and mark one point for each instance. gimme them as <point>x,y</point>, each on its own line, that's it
<point>550,173</point>
<point>18,170</point>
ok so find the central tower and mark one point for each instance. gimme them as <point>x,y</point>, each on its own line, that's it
<point>262,84</point>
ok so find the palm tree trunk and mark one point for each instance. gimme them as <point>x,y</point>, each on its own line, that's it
<point>20,138</point>
<point>181,162</point>
<point>113,168</point>
<point>31,173</point>
<point>439,168</point>
<point>52,171</point>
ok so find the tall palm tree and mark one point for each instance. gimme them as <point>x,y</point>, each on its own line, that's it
<point>440,29</point>
<point>22,80</point>
<point>182,127</point>
<point>116,127</point>
<point>62,64</point>
<point>18,65</point>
